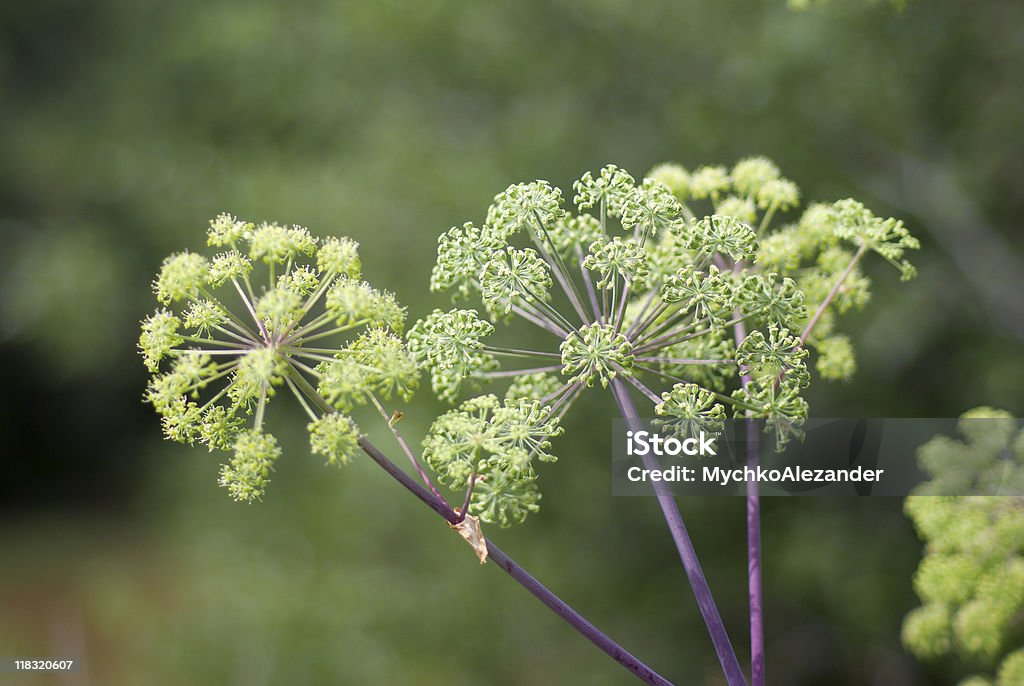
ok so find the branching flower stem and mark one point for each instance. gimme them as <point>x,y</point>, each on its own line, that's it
<point>832,293</point>
<point>588,282</point>
<point>518,372</point>
<point>687,553</point>
<point>464,509</point>
<point>521,576</point>
<point>405,449</point>
<point>438,504</point>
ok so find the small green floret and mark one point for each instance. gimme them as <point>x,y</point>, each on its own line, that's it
<point>750,175</point>
<point>335,437</point>
<point>339,257</point>
<point>159,337</point>
<point>247,474</point>
<point>596,353</point>
<point>181,276</point>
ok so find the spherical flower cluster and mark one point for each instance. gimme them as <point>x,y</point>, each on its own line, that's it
<point>490,445</point>
<point>678,285</point>
<point>971,580</point>
<point>596,353</point>
<point>235,343</point>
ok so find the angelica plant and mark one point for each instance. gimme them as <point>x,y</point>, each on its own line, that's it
<point>277,308</point>
<point>971,580</point>
<point>679,286</point>
<point>215,371</point>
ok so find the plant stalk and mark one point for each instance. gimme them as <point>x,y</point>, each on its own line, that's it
<point>687,553</point>
<point>755,586</point>
<point>552,601</point>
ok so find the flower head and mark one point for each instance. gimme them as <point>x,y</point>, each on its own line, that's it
<point>665,285</point>
<point>493,444</point>
<point>237,343</point>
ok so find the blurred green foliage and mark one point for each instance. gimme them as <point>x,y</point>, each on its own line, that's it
<point>124,126</point>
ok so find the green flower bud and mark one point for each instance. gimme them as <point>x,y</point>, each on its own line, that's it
<point>709,295</point>
<point>275,244</point>
<point>652,208</point>
<point>1011,672</point>
<point>750,175</point>
<point>778,354</point>
<point>500,499</point>
<point>618,257</point>
<point>742,209</point>
<point>772,299</point>
<point>302,280</point>
<point>389,368</point>
<point>203,316</point>
<point>613,188</point>
<point>978,627</point>
<point>159,336</point>
<point>258,372</point>
<point>781,251</point>
<point>927,631</point>
<point>779,193</point>
<point>339,257</point>
<point>570,233</point>
<point>887,237</point>
<point>517,276</point>
<point>596,352</point>
<point>228,230</point>
<point>247,474</point>
<point>335,437</point>
<point>724,235</point>
<point>525,206</point>
<point>674,177</point>
<point>279,308</point>
<point>690,409</point>
<point>181,276</point>
<point>836,359</point>
<point>461,255</point>
<point>228,266</point>
<point>220,428</point>
<point>449,340</point>
<point>709,182</point>
<point>947,579</point>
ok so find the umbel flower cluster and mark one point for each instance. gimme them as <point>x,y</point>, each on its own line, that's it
<point>685,285</point>
<point>971,580</point>
<point>275,309</point>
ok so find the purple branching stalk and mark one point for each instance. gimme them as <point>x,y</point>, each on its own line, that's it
<point>687,553</point>
<point>556,604</point>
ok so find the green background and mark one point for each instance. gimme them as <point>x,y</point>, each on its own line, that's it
<point>125,126</point>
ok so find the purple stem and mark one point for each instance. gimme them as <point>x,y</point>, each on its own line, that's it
<point>589,283</point>
<point>755,587</point>
<point>699,584</point>
<point>556,604</point>
<point>756,590</point>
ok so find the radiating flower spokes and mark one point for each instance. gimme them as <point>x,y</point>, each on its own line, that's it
<point>237,343</point>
